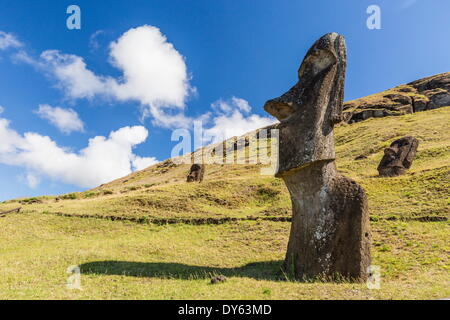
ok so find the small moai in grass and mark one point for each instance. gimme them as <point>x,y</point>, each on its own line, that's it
<point>399,157</point>
<point>330,233</point>
<point>196,173</point>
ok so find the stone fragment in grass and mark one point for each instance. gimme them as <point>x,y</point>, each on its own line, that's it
<point>218,279</point>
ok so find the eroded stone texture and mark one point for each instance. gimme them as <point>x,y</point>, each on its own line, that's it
<point>196,173</point>
<point>330,231</point>
<point>420,95</point>
<point>398,157</point>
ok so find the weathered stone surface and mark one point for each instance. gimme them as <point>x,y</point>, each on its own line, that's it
<point>330,232</point>
<point>309,110</point>
<point>196,173</point>
<point>419,104</point>
<point>420,95</point>
<point>398,157</point>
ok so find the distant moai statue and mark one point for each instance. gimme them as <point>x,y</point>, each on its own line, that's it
<point>196,173</point>
<point>399,157</point>
<point>330,233</point>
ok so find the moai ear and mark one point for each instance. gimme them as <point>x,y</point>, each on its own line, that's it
<point>336,98</point>
<point>326,63</point>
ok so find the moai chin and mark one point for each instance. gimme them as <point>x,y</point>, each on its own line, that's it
<point>330,233</point>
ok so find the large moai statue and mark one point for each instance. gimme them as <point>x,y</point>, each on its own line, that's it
<point>330,233</point>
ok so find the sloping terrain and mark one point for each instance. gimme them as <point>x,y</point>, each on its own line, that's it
<point>239,191</point>
<point>138,259</point>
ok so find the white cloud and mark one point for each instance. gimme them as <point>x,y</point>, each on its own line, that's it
<point>32,180</point>
<point>73,76</point>
<point>2,109</point>
<point>140,163</point>
<point>241,104</point>
<point>221,106</point>
<point>233,118</point>
<point>93,42</point>
<point>8,137</point>
<point>7,40</point>
<point>66,120</point>
<point>154,74</point>
<point>103,160</point>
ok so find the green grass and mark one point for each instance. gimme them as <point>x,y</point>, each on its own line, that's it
<point>132,261</point>
<point>140,260</point>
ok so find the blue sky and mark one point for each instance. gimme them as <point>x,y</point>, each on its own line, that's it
<point>78,112</point>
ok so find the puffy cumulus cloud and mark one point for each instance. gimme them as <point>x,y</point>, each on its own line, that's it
<point>154,74</point>
<point>72,74</point>
<point>231,118</point>
<point>103,160</point>
<point>8,137</point>
<point>7,40</point>
<point>66,120</point>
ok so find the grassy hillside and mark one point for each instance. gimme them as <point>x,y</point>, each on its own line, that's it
<point>139,259</point>
<point>239,191</point>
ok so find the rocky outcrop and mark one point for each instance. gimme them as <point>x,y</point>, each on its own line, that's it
<point>398,157</point>
<point>330,233</point>
<point>420,95</point>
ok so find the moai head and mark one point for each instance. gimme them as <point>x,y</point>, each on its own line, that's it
<point>398,157</point>
<point>196,173</point>
<point>309,110</point>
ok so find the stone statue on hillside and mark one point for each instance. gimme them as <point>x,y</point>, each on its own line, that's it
<point>398,157</point>
<point>330,232</point>
<point>196,173</point>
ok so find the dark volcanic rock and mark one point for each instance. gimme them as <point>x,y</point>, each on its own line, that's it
<point>218,279</point>
<point>330,232</point>
<point>420,95</point>
<point>398,157</point>
<point>196,173</point>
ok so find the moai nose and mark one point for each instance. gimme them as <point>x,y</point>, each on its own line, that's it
<point>279,109</point>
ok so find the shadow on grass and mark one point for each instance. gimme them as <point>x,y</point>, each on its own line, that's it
<point>267,270</point>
